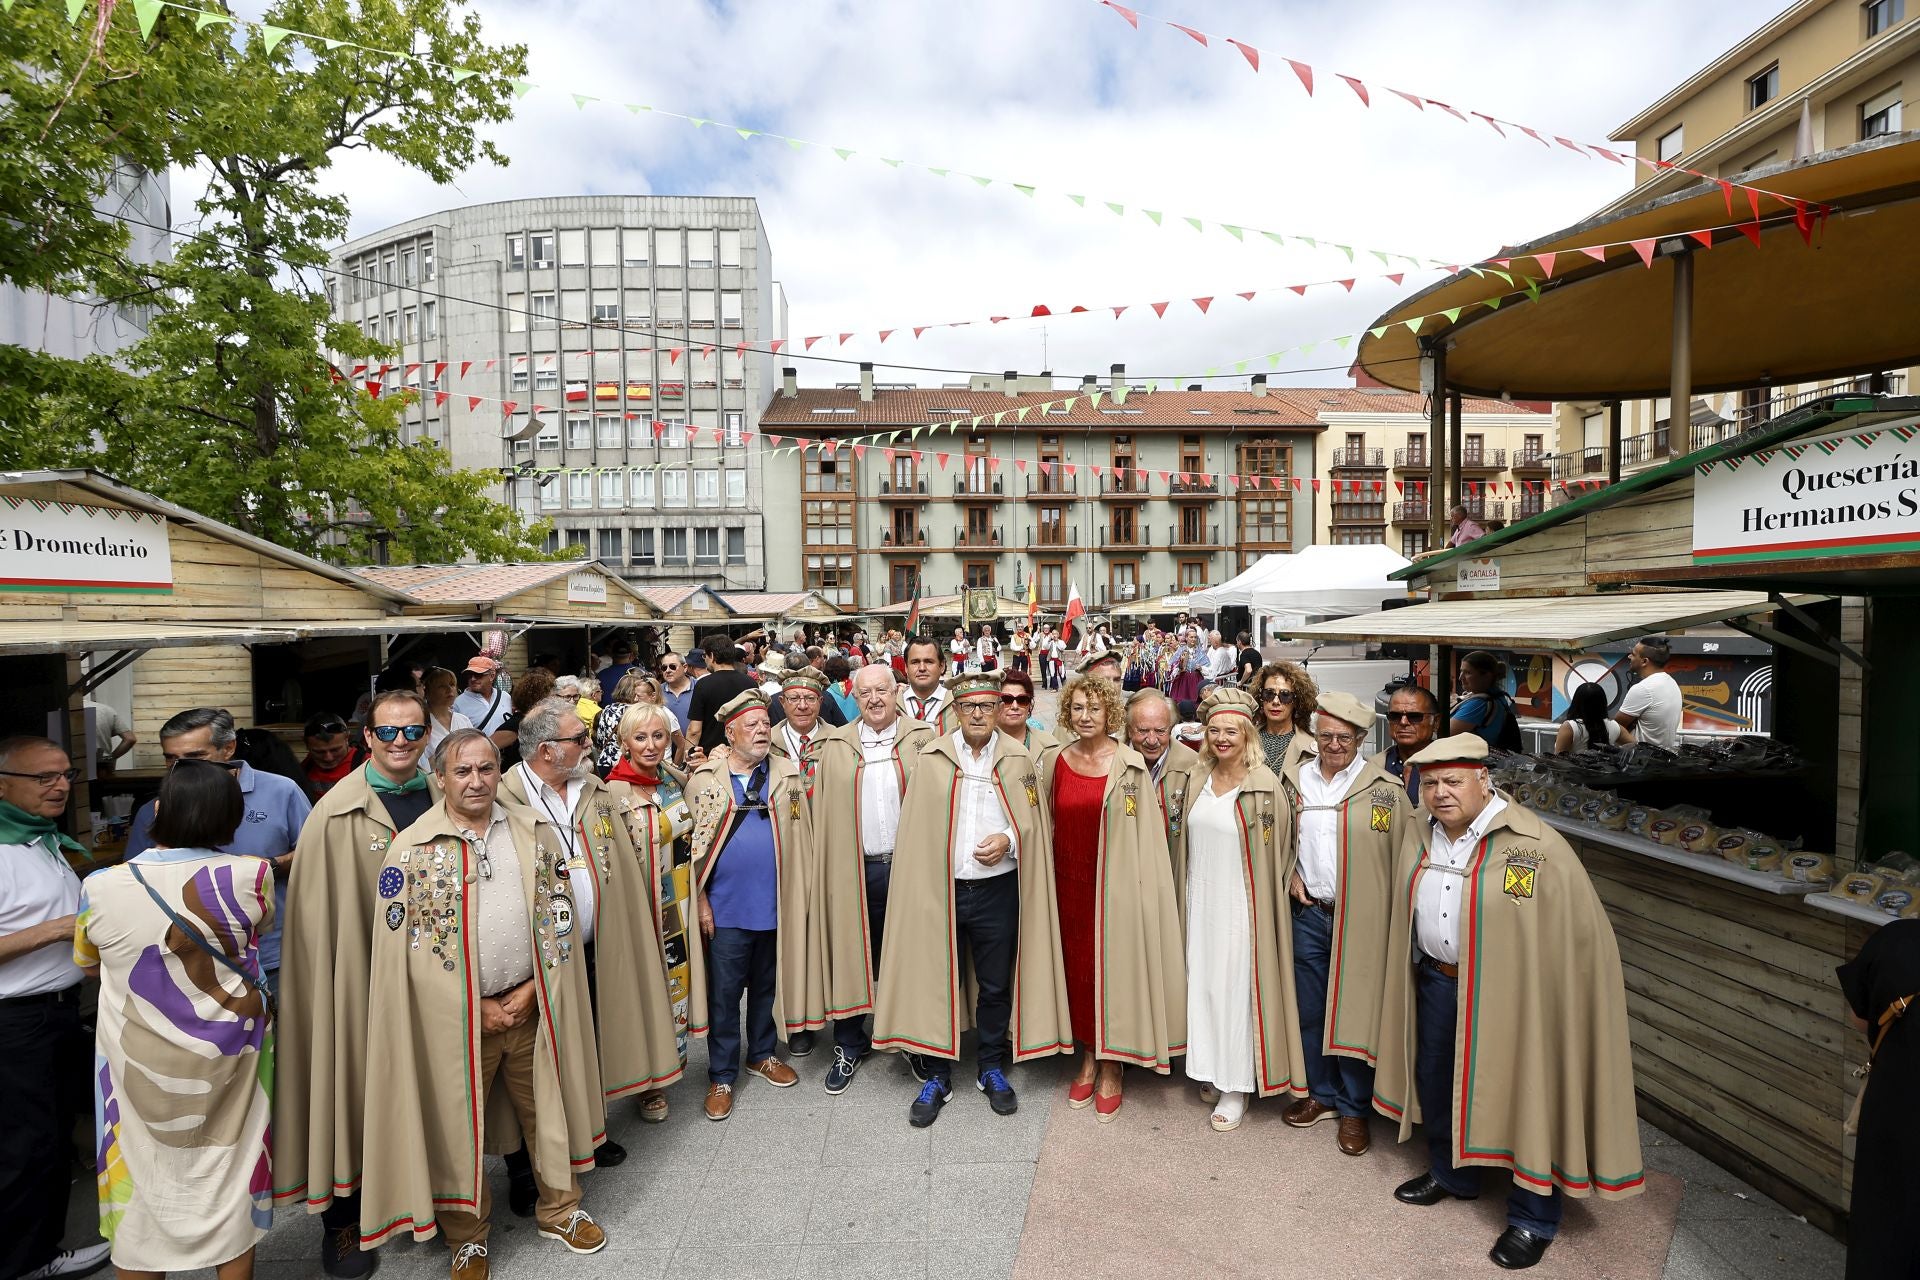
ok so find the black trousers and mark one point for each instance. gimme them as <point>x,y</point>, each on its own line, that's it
<point>46,1060</point>
<point>987,930</point>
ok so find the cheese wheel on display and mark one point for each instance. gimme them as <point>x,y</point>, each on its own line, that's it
<point>1860,886</point>
<point>1568,805</point>
<point>1809,868</point>
<point>1613,815</point>
<point>1764,855</point>
<point>1524,794</point>
<point>1896,898</point>
<point>1546,797</point>
<point>1733,846</point>
<point>1664,829</point>
<point>1591,807</point>
<point>1699,837</point>
<point>1637,819</point>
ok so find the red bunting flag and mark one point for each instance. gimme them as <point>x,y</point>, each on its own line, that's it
<point>1751,230</point>
<point>1358,88</point>
<point>844,337</point>
<point>1645,249</point>
<point>473,403</point>
<point>810,341</point>
<point>886,333</point>
<point>508,406</point>
<point>1249,295</point>
<point>776,344</point>
<point>1414,98</point>
<point>1546,261</point>
<point>920,329</point>
<point>1247,51</point>
<point>1702,238</point>
<point>1117,311</point>
<point>942,459</point>
<point>1305,73</point>
<point>1203,304</point>
<point>1348,284</point>
<point>1132,17</point>
<point>1299,289</point>
<point>1197,35</point>
<point>1159,308</point>
<point>439,398</point>
<point>673,355</point>
<point>1598,254</point>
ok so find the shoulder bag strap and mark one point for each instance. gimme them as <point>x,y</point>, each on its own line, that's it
<point>1888,1016</point>
<point>199,940</point>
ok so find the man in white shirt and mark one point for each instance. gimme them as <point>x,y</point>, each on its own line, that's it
<point>486,703</point>
<point>1653,705</point>
<point>45,1054</point>
<point>113,735</point>
<point>924,697</point>
<point>1220,656</point>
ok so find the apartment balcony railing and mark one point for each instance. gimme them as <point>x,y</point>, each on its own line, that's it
<point>1579,463</point>
<point>976,537</point>
<point>1127,594</point>
<point>1052,486</point>
<point>1412,459</point>
<point>977,487</point>
<point>1348,456</point>
<point>1193,486</point>
<point>1483,460</point>
<point>1138,536</point>
<point>1206,535</point>
<point>914,490</point>
<point>1530,459</point>
<point>1041,538</point>
<point>904,540</point>
<point>1122,486</point>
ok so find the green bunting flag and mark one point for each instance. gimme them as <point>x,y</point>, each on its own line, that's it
<point>271,36</point>
<point>147,12</point>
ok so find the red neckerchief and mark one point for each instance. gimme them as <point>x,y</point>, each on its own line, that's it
<point>626,771</point>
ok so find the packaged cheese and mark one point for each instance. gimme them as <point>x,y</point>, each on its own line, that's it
<point>1591,807</point>
<point>1860,886</point>
<point>1664,829</point>
<point>1613,815</point>
<point>1569,802</point>
<point>1546,797</point>
<point>1638,817</point>
<point>1765,855</point>
<point>1733,846</point>
<point>1894,898</point>
<point>1699,837</point>
<point>1809,868</point>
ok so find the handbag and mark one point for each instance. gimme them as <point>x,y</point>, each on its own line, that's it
<point>253,980</point>
<point>1888,1016</point>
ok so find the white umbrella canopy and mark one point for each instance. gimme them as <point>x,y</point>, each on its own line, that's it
<point>1329,580</point>
<point>1238,591</point>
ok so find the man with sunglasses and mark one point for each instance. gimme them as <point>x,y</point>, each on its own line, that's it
<point>45,1053</point>
<point>676,685</point>
<point>275,810</point>
<point>1413,718</point>
<point>332,910</point>
<point>332,754</point>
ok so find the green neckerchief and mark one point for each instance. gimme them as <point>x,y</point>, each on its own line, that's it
<point>17,826</point>
<point>384,786</point>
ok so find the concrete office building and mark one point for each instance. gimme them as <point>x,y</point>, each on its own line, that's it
<point>77,327</point>
<point>1818,76</point>
<point>606,314</point>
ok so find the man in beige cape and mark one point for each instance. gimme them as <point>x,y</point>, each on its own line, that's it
<point>320,1085</point>
<point>1352,813</point>
<point>975,932</point>
<point>1503,1023</point>
<point>1169,763</point>
<point>478,983</point>
<point>860,777</point>
<point>618,932</point>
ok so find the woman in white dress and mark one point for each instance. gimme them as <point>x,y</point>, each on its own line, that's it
<point>1233,851</point>
<point>442,719</point>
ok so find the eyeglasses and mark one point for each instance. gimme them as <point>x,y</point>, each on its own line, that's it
<point>579,739</point>
<point>1337,739</point>
<point>53,779</point>
<point>388,732</point>
<point>1406,717</point>
<point>1276,695</point>
<point>975,705</point>
<point>327,728</point>
<point>1015,700</point>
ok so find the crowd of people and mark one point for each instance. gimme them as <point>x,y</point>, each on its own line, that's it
<point>516,905</point>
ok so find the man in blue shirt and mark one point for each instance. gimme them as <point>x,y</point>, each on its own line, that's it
<point>275,810</point>
<point>622,655</point>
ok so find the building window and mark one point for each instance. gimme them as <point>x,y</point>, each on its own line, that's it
<point>827,524</point>
<point>736,425</point>
<point>640,487</point>
<point>579,432</point>
<point>1123,580</point>
<point>633,246</point>
<point>736,546</point>
<point>729,248</point>
<point>639,433</point>
<point>516,253</point>
<point>409,267</point>
<point>1763,88</point>
<point>387,272</point>
<point>550,494</point>
<point>706,546</point>
<point>426,262</point>
<point>673,548</point>
<point>1413,542</point>
<point>1358,537</point>
<point>1533,448</point>
<point>604,253</point>
<point>429,320</point>
<point>577,541</point>
<point>609,544</point>
<point>1123,528</point>
<point>1263,522</point>
<point>1193,575</point>
<point>573,248</point>
<point>544,306</point>
<point>831,576</point>
<point>517,380</point>
<point>1881,14</point>
<point>736,487</point>
<point>606,306</point>
<point>640,544</point>
<point>573,306</point>
<point>706,488</point>
<point>674,432</point>
<point>699,311</point>
<point>549,439</point>
<point>541,243</point>
<point>1193,456</point>
<point>1474,451</point>
<point>606,430</point>
<point>546,380</point>
<point>1052,588</point>
<point>673,488</point>
<point>904,579</point>
<point>979,574</point>
<point>516,313</point>
<point>1880,115</point>
<point>730,310</point>
<point>700,248</point>
<point>666,249</point>
<point>826,475</point>
<point>1668,148</point>
<point>579,488</point>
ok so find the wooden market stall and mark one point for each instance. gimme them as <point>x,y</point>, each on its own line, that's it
<point>1802,531</point>
<point>691,613</point>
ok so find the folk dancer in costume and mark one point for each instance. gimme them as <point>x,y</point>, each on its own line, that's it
<point>614,906</point>
<point>1503,1021</point>
<point>478,980</point>
<point>859,781</point>
<point>1119,913</point>
<point>1352,813</point>
<point>319,1094</point>
<point>924,697</point>
<point>973,912</point>
<point>753,856</point>
<point>1232,855</point>
<point>659,823</point>
<point>1169,762</point>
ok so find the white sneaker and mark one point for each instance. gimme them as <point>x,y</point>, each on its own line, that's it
<point>74,1262</point>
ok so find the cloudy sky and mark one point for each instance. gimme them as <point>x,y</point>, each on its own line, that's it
<point>1064,95</point>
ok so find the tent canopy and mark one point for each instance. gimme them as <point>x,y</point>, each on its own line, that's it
<point>1314,580</point>
<point>1238,591</point>
<point>1559,623</point>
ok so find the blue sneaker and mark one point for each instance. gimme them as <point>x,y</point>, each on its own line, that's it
<point>1000,1096</point>
<point>840,1074</point>
<point>934,1095</point>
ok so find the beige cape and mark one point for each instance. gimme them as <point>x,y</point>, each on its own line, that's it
<point>800,1000</point>
<point>1374,813</point>
<point>925,996</point>
<point>1542,1071</point>
<point>644,827</point>
<point>1267,831</point>
<point>1140,975</point>
<point>1174,791</point>
<point>633,1022</point>
<point>319,1090</point>
<point>839,897</point>
<point>428,1119</point>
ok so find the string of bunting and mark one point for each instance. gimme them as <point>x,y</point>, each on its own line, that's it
<point>1304,73</point>
<point>1794,452</point>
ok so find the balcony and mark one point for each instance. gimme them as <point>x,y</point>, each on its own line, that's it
<point>892,490</point>
<point>1128,487</point>
<point>1483,460</point>
<point>1529,505</point>
<point>904,541</point>
<point>1348,457</point>
<point>1138,536</point>
<point>1647,447</point>
<point>971,539</point>
<point>980,488</point>
<point>1194,487</point>
<point>1128,594</point>
<point>1186,537</point>
<point>1412,460</point>
<point>1412,513</point>
<point>1041,539</point>
<point>1530,459</point>
<point>1583,462</point>
<point>1359,513</point>
<point>1042,488</point>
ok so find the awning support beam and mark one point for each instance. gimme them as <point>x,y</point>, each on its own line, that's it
<point>1807,620</point>
<point>105,671</point>
<point>1780,639</point>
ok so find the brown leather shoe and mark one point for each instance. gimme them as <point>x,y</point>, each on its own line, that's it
<point>1355,1136</point>
<point>775,1072</point>
<point>579,1233</point>
<point>469,1262</point>
<point>719,1101</point>
<point>1306,1113</point>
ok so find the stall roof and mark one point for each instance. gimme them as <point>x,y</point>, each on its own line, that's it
<point>780,604</point>
<point>1146,608</point>
<point>55,636</point>
<point>667,599</point>
<point>1779,312</point>
<point>1565,623</point>
<point>487,585</point>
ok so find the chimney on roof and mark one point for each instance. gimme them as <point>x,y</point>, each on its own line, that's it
<point>1194,386</point>
<point>1010,382</point>
<point>1117,379</point>
<point>1259,386</point>
<point>789,381</point>
<point>866,381</point>
<point>1087,383</point>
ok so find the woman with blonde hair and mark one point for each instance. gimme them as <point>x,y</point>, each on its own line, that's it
<point>1119,913</point>
<point>1233,852</point>
<point>1288,697</point>
<point>659,822</point>
<point>442,686</point>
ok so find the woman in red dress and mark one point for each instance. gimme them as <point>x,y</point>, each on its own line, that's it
<point>1120,934</point>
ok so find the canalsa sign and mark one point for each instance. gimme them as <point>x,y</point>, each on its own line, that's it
<point>64,546</point>
<point>1851,494</point>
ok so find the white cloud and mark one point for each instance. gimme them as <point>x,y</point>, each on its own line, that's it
<point>1064,95</point>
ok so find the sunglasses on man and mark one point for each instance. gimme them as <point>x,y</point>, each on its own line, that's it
<point>1406,717</point>
<point>388,732</point>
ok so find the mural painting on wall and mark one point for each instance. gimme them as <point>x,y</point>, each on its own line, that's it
<point>1727,684</point>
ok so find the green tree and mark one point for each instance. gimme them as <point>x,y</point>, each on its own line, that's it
<point>232,405</point>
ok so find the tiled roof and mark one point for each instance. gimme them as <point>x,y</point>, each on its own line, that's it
<point>667,599</point>
<point>770,604</point>
<point>465,583</point>
<point>1293,408</point>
